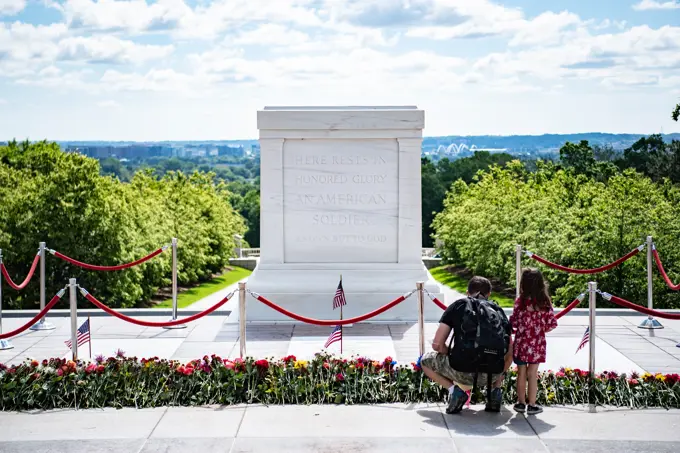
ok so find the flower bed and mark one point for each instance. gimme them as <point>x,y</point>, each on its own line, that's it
<point>128,382</point>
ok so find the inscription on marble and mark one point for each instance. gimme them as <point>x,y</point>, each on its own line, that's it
<point>340,201</point>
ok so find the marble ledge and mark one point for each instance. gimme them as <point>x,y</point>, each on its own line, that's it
<point>335,120</point>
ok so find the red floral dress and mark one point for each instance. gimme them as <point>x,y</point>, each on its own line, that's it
<point>531,325</point>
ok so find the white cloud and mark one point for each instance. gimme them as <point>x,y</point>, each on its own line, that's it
<point>26,50</point>
<point>652,4</point>
<point>11,7</point>
<point>109,49</point>
<point>158,80</point>
<point>3,101</point>
<point>138,16</point>
<point>272,35</point>
<point>109,104</point>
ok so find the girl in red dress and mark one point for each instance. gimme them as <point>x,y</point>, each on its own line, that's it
<point>532,317</point>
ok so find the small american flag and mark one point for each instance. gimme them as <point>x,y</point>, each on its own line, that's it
<point>83,335</point>
<point>339,298</point>
<point>336,335</point>
<point>584,340</point>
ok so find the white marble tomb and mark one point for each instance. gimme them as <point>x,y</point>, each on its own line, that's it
<point>340,195</point>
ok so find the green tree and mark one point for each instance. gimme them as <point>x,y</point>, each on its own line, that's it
<point>676,113</point>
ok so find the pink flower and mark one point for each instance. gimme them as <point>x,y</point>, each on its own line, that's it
<point>633,381</point>
<point>560,374</point>
<point>340,377</point>
<point>60,372</point>
<point>91,368</point>
<point>228,364</point>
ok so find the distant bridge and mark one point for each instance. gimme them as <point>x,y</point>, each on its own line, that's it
<point>455,149</point>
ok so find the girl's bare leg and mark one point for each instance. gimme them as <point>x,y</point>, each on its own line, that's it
<point>533,383</point>
<point>521,383</point>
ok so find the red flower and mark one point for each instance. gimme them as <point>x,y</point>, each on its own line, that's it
<point>36,376</point>
<point>228,364</point>
<point>289,358</point>
<point>44,362</point>
<point>633,381</point>
<point>360,366</point>
<point>340,377</point>
<point>326,365</point>
<point>60,372</point>
<point>415,366</point>
<point>262,364</point>
<point>91,368</point>
<point>100,369</point>
<point>388,360</point>
<point>188,370</point>
<point>34,363</point>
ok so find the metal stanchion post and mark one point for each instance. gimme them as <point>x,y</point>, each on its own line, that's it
<point>592,292</point>
<point>421,318</point>
<point>4,344</point>
<point>73,301</point>
<point>242,318</point>
<point>650,322</point>
<point>42,324</point>
<point>174,287</point>
<point>518,268</point>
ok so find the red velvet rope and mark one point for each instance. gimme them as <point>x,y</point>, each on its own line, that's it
<point>663,272</point>
<point>94,267</point>
<point>329,322</point>
<point>596,270</point>
<point>23,284</point>
<point>138,322</point>
<point>641,309</point>
<point>568,308</point>
<point>42,313</point>
<point>439,303</point>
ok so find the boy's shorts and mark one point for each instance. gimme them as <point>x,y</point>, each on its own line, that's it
<point>439,363</point>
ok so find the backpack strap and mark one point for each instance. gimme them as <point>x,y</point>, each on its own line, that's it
<point>488,387</point>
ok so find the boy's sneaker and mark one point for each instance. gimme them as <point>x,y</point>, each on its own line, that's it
<point>533,410</point>
<point>494,404</point>
<point>457,400</point>
<point>520,407</point>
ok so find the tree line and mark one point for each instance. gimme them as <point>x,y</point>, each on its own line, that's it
<point>586,210</point>
<point>61,198</point>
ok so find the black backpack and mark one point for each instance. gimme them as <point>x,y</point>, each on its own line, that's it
<point>480,342</point>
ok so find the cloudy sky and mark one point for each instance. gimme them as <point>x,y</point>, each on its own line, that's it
<point>195,69</point>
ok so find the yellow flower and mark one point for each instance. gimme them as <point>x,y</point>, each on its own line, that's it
<point>660,377</point>
<point>568,370</point>
<point>351,367</point>
<point>646,375</point>
<point>300,364</point>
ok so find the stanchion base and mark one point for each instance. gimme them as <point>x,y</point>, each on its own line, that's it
<point>6,344</point>
<point>650,324</point>
<point>178,326</point>
<point>43,326</point>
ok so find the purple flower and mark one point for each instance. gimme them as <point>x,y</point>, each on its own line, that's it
<point>120,354</point>
<point>99,359</point>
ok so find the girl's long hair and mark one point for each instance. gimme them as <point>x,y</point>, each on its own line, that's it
<point>533,290</point>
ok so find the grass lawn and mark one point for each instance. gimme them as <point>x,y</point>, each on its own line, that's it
<point>194,294</point>
<point>454,281</point>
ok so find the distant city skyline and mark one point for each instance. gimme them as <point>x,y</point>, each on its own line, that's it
<point>158,70</point>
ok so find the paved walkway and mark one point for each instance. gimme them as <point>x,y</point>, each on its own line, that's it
<point>346,429</point>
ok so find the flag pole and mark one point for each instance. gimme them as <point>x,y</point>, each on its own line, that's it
<point>89,326</point>
<point>341,333</point>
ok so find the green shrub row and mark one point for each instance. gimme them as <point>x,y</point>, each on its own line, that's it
<point>569,219</point>
<point>60,198</point>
